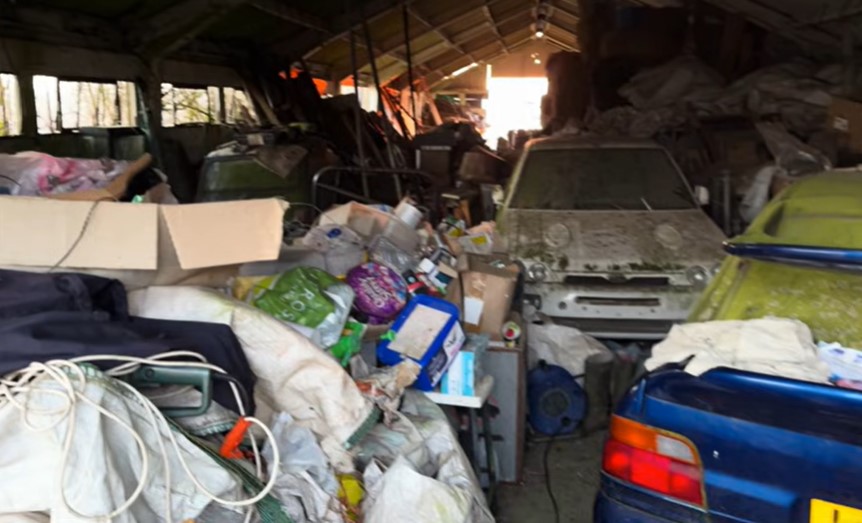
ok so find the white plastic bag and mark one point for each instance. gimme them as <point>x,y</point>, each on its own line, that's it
<point>560,345</point>
<point>306,486</point>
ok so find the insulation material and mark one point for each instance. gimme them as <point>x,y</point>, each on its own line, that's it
<point>774,346</point>
<point>294,376</point>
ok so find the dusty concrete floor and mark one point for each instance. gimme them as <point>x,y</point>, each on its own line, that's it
<point>574,467</point>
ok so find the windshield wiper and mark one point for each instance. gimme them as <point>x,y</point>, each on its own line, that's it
<point>646,204</point>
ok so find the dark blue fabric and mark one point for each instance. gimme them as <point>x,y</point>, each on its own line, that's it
<point>25,293</point>
<point>48,316</point>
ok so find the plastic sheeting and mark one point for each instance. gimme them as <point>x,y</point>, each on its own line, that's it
<point>681,80</point>
<point>293,375</point>
<point>306,486</point>
<point>774,346</point>
<point>560,345</point>
<point>665,96</point>
<point>38,174</point>
<point>416,470</point>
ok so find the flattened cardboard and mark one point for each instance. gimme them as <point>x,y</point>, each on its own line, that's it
<point>140,244</point>
<point>38,232</point>
<point>225,233</point>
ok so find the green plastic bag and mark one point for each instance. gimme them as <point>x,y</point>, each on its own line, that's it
<point>309,297</point>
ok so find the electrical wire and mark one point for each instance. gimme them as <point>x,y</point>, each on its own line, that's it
<point>548,479</point>
<point>72,381</point>
<point>565,422</point>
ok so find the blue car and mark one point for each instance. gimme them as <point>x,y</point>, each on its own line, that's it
<point>733,446</point>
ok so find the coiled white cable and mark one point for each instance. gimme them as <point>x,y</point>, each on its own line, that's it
<point>24,382</point>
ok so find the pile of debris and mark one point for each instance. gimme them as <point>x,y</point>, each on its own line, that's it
<point>668,96</point>
<point>211,372</point>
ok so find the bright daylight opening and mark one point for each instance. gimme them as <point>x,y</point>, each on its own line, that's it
<point>513,104</point>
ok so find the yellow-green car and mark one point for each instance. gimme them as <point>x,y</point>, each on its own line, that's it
<point>801,258</point>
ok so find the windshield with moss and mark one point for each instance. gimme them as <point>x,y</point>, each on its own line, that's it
<point>600,179</point>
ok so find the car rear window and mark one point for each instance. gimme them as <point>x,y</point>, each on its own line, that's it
<point>600,179</point>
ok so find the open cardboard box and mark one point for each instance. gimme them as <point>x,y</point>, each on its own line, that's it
<point>484,291</point>
<point>140,244</point>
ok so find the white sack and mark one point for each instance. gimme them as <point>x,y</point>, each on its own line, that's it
<point>104,462</point>
<point>774,346</point>
<point>434,469</point>
<point>293,375</point>
<point>429,478</point>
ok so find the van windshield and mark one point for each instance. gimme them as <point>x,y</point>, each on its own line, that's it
<point>600,179</point>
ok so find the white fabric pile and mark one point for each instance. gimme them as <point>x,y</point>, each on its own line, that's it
<point>774,346</point>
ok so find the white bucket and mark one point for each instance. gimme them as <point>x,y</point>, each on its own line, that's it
<point>408,213</point>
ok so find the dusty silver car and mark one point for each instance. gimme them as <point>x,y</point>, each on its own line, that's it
<point>610,235</point>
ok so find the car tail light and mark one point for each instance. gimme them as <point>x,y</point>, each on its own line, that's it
<point>655,460</point>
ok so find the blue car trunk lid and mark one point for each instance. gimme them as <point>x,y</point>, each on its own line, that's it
<point>769,445</point>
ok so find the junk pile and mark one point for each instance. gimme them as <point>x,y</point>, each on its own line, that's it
<point>207,371</point>
<point>745,140</point>
<point>668,96</point>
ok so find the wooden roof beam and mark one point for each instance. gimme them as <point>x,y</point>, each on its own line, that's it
<point>281,10</point>
<point>172,28</point>
<point>436,30</point>
<point>486,9</point>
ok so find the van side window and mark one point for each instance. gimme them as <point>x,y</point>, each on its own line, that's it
<point>238,108</point>
<point>185,105</point>
<point>10,105</point>
<point>70,104</point>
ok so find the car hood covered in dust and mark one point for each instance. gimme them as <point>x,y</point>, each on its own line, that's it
<point>613,241</point>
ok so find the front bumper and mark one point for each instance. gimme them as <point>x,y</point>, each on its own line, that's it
<point>638,313</point>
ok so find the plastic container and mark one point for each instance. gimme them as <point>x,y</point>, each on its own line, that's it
<point>381,293</point>
<point>427,332</point>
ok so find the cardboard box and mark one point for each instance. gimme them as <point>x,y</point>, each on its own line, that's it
<point>460,378</point>
<point>487,289</point>
<point>845,119</point>
<point>464,374</point>
<point>427,332</point>
<point>140,244</point>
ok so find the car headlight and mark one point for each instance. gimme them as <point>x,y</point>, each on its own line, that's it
<point>697,276</point>
<point>537,272</point>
